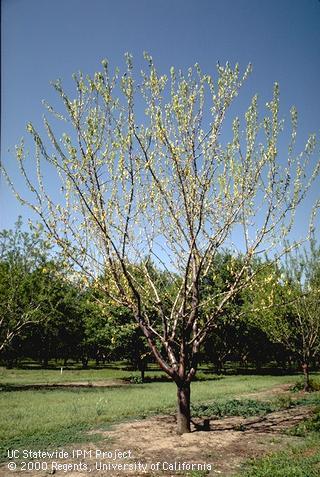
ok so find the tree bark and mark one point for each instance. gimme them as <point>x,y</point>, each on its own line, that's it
<point>142,374</point>
<point>183,410</point>
<point>85,361</point>
<point>142,366</point>
<point>306,378</point>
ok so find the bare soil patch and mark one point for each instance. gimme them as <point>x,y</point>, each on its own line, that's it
<point>93,384</point>
<point>108,383</point>
<point>226,444</point>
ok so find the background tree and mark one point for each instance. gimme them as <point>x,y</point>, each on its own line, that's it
<point>223,340</point>
<point>23,280</point>
<point>287,301</point>
<point>233,336</point>
<point>126,341</point>
<point>59,334</point>
<point>96,341</point>
<point>163,185</point>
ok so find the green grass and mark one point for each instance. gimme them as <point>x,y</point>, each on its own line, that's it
<point>254,407</point>
<point>47,439</point>
<point>298,461</point>
<point>30,416</point>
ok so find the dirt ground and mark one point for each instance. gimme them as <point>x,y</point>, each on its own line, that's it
<point>108,383</point>
<point>135,448</point>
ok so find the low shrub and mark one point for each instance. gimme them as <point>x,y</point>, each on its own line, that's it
<point>135,379</point>
<point>233,407</point>
<point>314,385</point>
<point>310,425</point>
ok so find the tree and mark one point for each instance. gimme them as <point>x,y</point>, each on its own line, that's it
<point>61,330</point>
<point>147,175</point>
<point>233,336</point>
<point>128,342</point>
<point>306,309</point>
<point>293,320</point>
<point>223,340</point>
<point>23,283</point>
<point>304,273</point>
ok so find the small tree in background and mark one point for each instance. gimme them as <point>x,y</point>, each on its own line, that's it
<point>285,305</point>
<point>145,176</point>
<point>303,284</point>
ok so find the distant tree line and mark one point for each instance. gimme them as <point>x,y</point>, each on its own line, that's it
<point>46,314</point>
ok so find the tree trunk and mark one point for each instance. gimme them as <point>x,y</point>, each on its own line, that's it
<point>142,370</point>
<point>85,361</point>
<point>183,411</point>
<point>306,378</point>
<point>258,366</point>
<point>142,365</point>
<point>218,366</point>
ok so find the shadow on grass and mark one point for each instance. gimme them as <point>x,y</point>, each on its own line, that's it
<point>278,422</point>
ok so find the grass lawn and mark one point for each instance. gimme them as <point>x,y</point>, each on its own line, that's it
<point>38,417</point>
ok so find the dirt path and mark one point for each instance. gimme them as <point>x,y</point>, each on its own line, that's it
<point>107,383</point>
<point>279,390</point>
<point>94,384</point>
<point>141,444</point>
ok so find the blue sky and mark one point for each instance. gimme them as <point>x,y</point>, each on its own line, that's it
<point>47,39</point>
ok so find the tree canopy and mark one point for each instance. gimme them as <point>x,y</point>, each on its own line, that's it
<point>146,177</point>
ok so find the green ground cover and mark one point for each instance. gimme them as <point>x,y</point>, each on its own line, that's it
<point>43,417</point>
<point>300,460</point>
<point>36,417</point>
